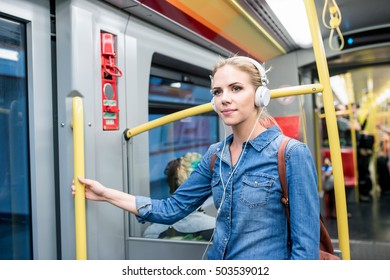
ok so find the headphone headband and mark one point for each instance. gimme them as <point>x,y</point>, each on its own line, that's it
<point>259,67</point>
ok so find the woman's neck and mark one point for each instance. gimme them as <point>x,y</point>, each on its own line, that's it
<point>243,135</point>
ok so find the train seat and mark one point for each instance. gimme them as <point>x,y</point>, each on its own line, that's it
<point>350,178</point>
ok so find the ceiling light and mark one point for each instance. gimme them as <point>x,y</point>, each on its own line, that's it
<point>176,85</point>
<point>9,55</point>
<point>292,14</point>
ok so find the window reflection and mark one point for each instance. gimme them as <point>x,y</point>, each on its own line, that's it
<point>198,225</point>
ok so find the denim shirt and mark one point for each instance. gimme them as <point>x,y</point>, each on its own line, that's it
<point>251,220</point>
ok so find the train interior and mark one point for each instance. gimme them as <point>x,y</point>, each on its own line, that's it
<point>134,62</point>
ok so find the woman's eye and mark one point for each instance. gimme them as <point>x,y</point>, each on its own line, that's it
<point>236,88</point>
<point>215,92</point>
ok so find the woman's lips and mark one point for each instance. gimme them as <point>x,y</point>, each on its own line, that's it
<point>228,112</point>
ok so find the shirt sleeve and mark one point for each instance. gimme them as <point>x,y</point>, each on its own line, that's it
<point>304,202</point>
<point>144,206</point>
<point>188,197</point>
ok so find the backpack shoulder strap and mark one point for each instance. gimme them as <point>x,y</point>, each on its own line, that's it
<point>213,158</point>
<point>283,182</point>
<point>282,172</point>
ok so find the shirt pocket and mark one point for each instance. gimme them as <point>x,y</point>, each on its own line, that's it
<point>216,189</point>
<point>256,189</point>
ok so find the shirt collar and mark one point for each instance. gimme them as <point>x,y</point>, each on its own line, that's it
<point>263,139</point>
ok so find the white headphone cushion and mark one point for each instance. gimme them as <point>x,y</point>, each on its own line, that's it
<point>262,97</point>
<point>213,104</point>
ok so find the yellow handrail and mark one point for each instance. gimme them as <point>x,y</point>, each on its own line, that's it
<point>204,108</point>
<point>167,119</point>
<point>78,152</point>
<point>334,141</point>
<point>296,90</point>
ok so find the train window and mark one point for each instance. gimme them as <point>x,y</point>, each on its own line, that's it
<point>15,213</point>
<point>171,91</point>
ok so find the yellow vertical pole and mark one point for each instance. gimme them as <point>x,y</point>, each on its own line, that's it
<point>331,123</point>
<point>78,152</point>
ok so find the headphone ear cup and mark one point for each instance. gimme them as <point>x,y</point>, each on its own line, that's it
<point>263,96</point>
<point>213,104</point>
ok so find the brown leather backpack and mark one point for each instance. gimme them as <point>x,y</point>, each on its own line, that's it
<point>326,247</point>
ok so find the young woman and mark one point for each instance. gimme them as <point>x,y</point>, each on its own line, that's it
<point>251,221</point>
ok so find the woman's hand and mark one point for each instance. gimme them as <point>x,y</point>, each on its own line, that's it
<point>93,189</point>
<point>96,191</point>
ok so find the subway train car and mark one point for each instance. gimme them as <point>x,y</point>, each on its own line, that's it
<point>117,65</point>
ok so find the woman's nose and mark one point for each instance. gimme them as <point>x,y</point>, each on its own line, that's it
<point>225,97</point>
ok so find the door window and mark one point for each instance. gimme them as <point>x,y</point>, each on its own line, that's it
<point>15,212</point>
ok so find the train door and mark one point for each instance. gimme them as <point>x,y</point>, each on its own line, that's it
<point>27,195</point>
<point>148,88</point>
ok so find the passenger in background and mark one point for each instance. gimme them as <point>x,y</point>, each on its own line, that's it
<point>383,170</point>
<point>384,128</point>
<point>328,186</point>
<point>344,125</point>
<point>251,220</point>
<point>364,155</point>
<point>382,160</point>
<point>197,225</point>
<point>364,143</point>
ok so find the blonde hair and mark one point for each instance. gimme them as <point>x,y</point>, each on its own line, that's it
<point>178,170</point>
<point>243,64</point>
<point>189,162</point>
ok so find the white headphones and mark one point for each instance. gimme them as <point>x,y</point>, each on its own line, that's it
<point>263,94</point>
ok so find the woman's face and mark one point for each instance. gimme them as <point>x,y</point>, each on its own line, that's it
<point>234,96</point>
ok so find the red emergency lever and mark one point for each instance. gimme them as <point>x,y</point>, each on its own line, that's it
<point>108,55</point>
<point>109,74</point>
